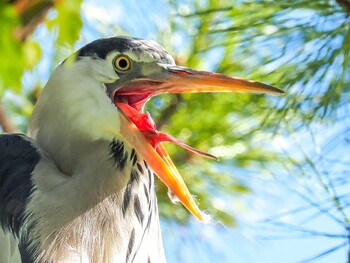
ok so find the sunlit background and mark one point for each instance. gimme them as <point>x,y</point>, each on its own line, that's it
<point>280,192</point>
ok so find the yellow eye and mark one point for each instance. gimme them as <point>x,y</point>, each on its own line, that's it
<point>122,63</point>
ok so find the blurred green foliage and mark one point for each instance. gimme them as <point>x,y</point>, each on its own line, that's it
<point>22,53</point>
<point>16,55</point>
<point>68,21</point>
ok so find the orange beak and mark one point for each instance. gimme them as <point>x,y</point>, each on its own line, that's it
<point>139,129</point>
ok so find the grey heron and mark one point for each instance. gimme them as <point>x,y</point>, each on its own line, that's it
<point>80,186</point>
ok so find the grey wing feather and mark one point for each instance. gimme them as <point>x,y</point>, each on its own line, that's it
<point>18,158</point>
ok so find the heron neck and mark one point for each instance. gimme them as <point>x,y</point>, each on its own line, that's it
<point>93,201</point>
<point>104,211</point>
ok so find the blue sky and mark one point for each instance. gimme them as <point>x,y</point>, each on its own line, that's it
<point>215,243</point>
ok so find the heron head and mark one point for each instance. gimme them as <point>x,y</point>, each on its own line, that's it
<point>128,72</point>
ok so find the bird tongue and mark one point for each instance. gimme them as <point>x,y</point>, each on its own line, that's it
<point>147,126</point>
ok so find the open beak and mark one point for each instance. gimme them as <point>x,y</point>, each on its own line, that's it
<point>139,129</point>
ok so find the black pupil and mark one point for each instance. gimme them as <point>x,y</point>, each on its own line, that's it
<point>122,63</point>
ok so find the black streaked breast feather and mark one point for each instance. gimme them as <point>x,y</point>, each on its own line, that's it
<point>118,153</point>
<point>137,209</point>
<point>130,245</point>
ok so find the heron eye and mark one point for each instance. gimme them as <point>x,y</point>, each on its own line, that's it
<point>122,63</point>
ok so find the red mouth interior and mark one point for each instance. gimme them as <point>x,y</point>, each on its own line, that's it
<point>132,104</point>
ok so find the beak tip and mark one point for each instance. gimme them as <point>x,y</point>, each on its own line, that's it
<point>278,91</point>
<point>272,90</point>
<point>205,218</point>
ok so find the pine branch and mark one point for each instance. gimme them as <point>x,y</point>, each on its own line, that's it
<point>31,13</point>
<point>345,4</point>
<point>4,121</point>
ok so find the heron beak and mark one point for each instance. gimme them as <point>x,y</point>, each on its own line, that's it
<point>161,164</point>
<point>139,129</point>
